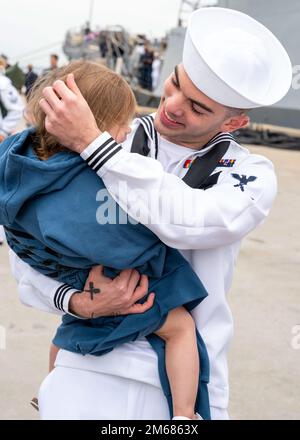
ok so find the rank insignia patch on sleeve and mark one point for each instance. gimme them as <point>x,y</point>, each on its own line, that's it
<point>243,181</point>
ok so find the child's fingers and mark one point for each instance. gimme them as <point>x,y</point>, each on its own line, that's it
<point>141,290</point>
<point>141,308</point>
<point>96,271</point>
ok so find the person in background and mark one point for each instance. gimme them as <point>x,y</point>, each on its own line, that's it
<point>30,79</point>
<point>5,58</point>
<point>2,235</point>
<point>146,62</point>
<point>135,58</point>
<point>53,63</point>
<point>11,111</point>
<point>156,69</point>
<point>11,105</point>
<point>87,29</point>
<point>103,44</point>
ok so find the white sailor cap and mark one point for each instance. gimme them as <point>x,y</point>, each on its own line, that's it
<point>235,60</point>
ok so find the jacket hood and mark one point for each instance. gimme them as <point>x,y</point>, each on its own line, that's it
<point>23,176</point>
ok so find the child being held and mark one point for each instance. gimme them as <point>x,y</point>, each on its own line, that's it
<point>50,199</point>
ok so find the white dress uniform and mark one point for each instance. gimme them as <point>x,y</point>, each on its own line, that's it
<point>12,103</point>
<point>124,384</point>
<point>156,71</point>
<point>11,112</point>
<point>2,235</point>
<point>209,240</point>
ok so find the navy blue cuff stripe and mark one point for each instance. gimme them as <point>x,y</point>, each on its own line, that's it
<point>100,165</point>
<point>100,149</point>
<point>105,152</point>
<point>102,153</point>
<point>60,296</point>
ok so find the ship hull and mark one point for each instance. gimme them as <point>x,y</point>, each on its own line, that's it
<point>282,18</point>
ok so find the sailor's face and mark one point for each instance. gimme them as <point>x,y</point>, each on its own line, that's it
<point>186,116</point>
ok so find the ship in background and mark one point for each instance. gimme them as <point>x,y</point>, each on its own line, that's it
<point>119,50</point>
<point>282,18</point>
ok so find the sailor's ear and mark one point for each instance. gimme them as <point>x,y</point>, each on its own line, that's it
<point>235,123</point>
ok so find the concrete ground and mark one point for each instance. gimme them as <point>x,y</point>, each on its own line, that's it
<point>264,366</point>
<point>265,300</point>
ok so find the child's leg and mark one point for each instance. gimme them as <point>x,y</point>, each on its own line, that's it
<point>52,356</point>
<point>182,360</point>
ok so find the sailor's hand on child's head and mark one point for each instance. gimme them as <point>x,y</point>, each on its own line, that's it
<point>104,296</point>
<point>68,116</point>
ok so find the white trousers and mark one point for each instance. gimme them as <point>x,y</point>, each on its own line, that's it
<point>2,234</point>
<point>74,394</point>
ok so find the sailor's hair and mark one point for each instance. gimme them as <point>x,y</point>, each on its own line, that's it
<point>231,111</point>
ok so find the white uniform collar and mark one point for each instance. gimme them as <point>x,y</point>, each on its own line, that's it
<point>148,124</point>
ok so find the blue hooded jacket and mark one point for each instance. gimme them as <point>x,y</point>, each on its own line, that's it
<point>49,211</point>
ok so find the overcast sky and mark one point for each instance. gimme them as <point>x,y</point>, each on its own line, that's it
<point>28,25</point>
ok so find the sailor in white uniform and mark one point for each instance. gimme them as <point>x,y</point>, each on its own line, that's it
<point>11,105</point>
<point>11,111</point>
<point>230,63</point>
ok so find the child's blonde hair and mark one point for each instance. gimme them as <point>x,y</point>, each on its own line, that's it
<point>108,95</point>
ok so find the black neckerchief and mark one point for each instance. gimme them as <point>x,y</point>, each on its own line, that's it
<point>200,173</point>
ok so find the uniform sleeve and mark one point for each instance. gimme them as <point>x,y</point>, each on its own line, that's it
<point>38,291</point>
<point>13,104</point>
<point>183,217</point>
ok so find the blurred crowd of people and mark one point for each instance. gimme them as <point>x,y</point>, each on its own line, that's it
<point>135,57</point>
<point>15,87</point>
<point>142,59</point>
